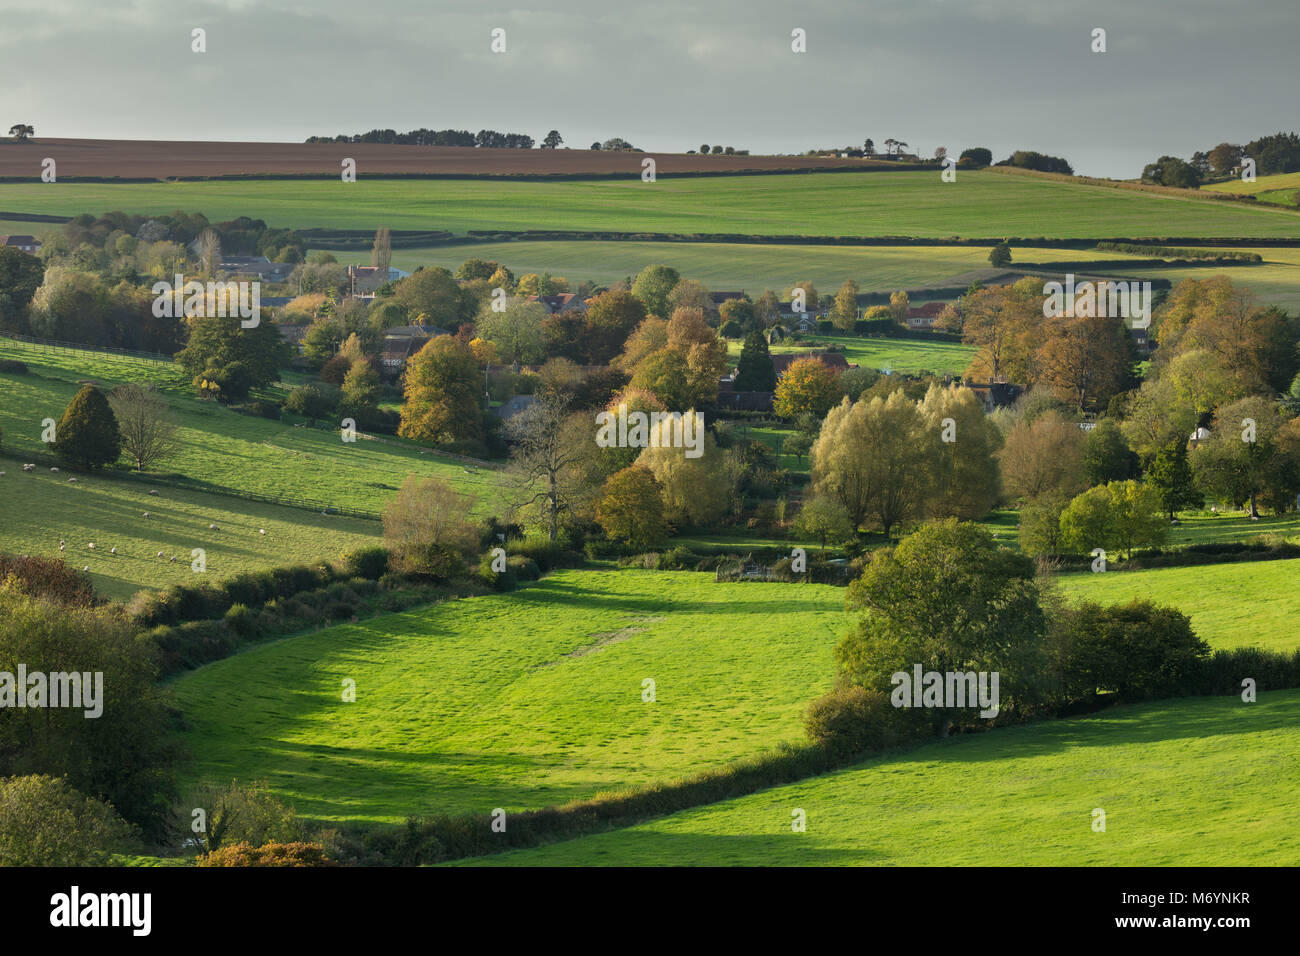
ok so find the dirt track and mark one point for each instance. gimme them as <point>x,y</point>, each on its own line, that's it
<point>150,159</point>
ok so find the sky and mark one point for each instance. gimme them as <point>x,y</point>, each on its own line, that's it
<point>1176,76</point>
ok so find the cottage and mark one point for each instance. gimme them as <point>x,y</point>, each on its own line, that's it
<point>28,244</point>
<point>403,341</point>
<point>923,317</point>
<point>256,267</point>
<point>995,395</point>
<point>561,302</point>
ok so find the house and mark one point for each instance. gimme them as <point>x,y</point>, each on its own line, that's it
<point>256,267</point>
<point>403,341</point>
<point>735,401</point>
<point>805,320</point>
<point>28,244</point>
<point>835,360</point>
<point>561,302</point>
<point>513,406</point>
<point>995,395</point>
<point>923,317</point>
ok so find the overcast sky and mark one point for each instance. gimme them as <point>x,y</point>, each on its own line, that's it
<point>1178,75</point>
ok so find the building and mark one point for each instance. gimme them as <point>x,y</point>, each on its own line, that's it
<point>923,317</point>
<point>994,395</point>
<point>513,406</point>
<point>28,244</point>
<point>721,297</point>
<point>835,360</point>
<point>561,302</point>
<point>256,267</point>
<point>403,341</point>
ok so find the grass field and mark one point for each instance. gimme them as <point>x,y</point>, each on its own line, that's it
<point>228,449</point>
<point>979,204</point>
<point>1250,604</point>
<point>38,509</point>
<point>720,265</point>
<point>895,355</point>
<point>518,700</point>
<point>1197,782</point>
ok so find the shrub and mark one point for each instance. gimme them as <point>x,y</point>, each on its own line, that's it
<point>368,563</point>
<point>45,822</point>
<point>1224,670</point>
<point>548,554</point>
<point>48,578</point>
<point>851,720</point>
<point>524,568</point>
<point>269,854</point>
<point>87,435</point>
<point>1138,650</point>
<point>242,622</point>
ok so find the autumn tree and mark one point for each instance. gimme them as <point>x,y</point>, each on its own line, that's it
<point>694,490</point>
<point>611,318</point>
<point>807,385</point>
<point>381,252</point>
<point>549,443</point>
<point>1041,456</point>
<point>965,481</point>
<point>845,312</point>
<point>427,528</point>
<point>516,331</point>
<point>823,517</point>
<point>876,457</point>
<point>631,508</point>
<point>1086,359</point>
<point>444,391</point>
<point>1243,459</point>
<point>653,285</point>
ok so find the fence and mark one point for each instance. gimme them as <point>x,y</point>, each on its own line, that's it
<point>185,484</point>
<point>54,346</point>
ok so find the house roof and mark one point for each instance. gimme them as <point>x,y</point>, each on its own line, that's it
<point>560,302</point>
<point>931,310</point>
<point>833,359</point>
<point>19,241</point>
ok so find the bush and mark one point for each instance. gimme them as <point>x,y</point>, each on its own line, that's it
<point>1138,650</point>
<point>50,579</point>
<point>548,554</point>
<point>243,622</point>
<point>1224,670</point>
<point>269,854</point>
<point>851,720</point>
<point>368,563</point>
<point>265,410</point>
<point>45,822</point>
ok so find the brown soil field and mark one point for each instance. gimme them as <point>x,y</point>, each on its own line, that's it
<point>157,159</point>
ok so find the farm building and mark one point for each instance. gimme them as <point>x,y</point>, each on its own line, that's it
<point>562,302</point>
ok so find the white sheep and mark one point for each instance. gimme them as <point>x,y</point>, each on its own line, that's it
<point>112,550</point>
<point>160,554</point>
<point>153,491</point>
<point>261,531</point>
<point>54,469</point>
<point>212,527</point>
<point>91,546</point>
<point>72,479</point>
<point>173,560</point>
<point>145,515</point>
<point>62,546</point>
<point>86,568</point>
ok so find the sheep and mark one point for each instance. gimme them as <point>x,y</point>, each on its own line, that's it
<point>160,554</point>
<point>29,467</point>
<point>54,469</point>
<point>62,546</point>
<point>86,568</point>
<point>173,559</point>
<point>213,527</point>
<point>2,474</point>
<point>70,480</point>
<point>91,546</point>
<point>261,531</point>
<point>145,515</point>
<point>112,550</point>
<point>153,491</point>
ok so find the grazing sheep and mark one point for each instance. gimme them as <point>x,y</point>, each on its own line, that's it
<point>62,542</point>
<point>29,467</point>
<point>54,469</point>
<point>91,546</point>
<point>86,568</point>
<point>173,559</point>
<point>212,527</point>
<point>112,550</point>
<point>160,554</point>
<point>2,474</point>
<point>145,515</point>
<point>153,491</point>
<point>62,546</point>
<point>72,479</point>
<point>261,531</point>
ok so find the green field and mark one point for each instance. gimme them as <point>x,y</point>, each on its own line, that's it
<point>225,448</point>
<point>519,700</point>
<point>750,267</point>
<point>1199,782</point>
<point>979,204</point>
<point>1248,604</point>
<point>38,509</point>
<point>894,355</point>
